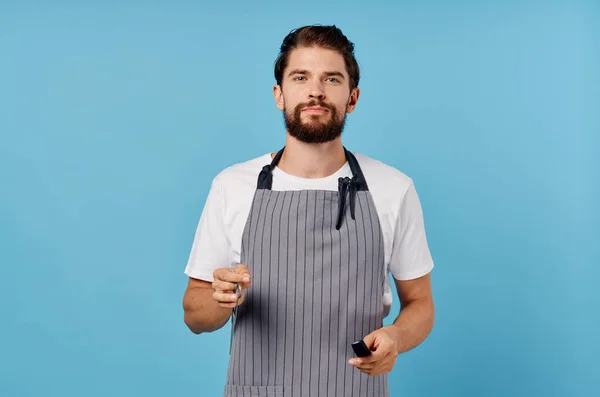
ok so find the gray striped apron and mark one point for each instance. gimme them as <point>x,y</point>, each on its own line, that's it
<point>317,263</point>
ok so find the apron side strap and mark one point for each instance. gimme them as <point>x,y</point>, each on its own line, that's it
<point>265,177</point>
<point>359,179</point>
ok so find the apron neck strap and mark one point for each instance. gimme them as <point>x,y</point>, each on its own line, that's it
<point>265,178</point>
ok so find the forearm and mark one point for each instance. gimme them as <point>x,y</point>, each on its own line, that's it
<point>413,324</point>
<point>202,313</point>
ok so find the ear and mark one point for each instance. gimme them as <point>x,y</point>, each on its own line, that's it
<point>353,100</point>
<point>278,94</point>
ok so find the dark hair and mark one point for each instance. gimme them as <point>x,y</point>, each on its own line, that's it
<point>330,37</point>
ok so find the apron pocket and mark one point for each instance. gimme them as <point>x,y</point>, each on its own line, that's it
<point>253,391</point>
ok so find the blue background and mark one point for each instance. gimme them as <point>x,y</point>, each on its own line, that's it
<point>114,118</point>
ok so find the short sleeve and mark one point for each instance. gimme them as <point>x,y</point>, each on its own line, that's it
<point>411,257</point>
<point>211,246</point>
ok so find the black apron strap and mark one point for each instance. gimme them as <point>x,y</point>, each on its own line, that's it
<point>265,178</point>
<point>357,174</point>
<point>346,185</point>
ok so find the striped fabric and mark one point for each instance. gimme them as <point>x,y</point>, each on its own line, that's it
<point>314,291</point>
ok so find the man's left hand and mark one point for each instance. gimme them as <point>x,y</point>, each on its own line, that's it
<point>384,347</point>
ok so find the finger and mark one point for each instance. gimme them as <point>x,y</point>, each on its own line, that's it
<point>241,268</point>
<point>371,341</point>
<point>378,368</point>
<point>374,357</point>
<point>368,362</point>
<point>368,372</point>
<point>223,286</point>
<point>245,272</point>
<point>384,362</point>
<point>372,371</point>
<point>225,297</point>
<point>367,367</point>
<point>232,276</point>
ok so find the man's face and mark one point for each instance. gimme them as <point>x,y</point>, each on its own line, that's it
<point>315,94</point>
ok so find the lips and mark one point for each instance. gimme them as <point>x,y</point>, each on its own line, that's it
<point>315,109</point>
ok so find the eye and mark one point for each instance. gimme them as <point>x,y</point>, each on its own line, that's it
<point>332,80</point>
<point>299,77</point>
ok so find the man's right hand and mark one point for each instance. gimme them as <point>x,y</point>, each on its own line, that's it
<point>224,285</point>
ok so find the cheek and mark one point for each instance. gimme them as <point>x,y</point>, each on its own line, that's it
<point>341,107</point>
<point>289,106</point>
<point>288,101</point>
<point>340,101</point>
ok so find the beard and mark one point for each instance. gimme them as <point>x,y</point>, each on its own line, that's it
<point>314,130</point>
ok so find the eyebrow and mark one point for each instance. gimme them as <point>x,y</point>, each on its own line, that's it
<point>338,74</point>
<point>303,71</point>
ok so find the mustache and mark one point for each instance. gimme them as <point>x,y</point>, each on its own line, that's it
<point>315,103</point>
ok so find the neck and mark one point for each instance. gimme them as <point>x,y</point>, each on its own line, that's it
<point>312,160</point>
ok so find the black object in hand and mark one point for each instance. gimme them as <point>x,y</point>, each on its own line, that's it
<point>360,349</point>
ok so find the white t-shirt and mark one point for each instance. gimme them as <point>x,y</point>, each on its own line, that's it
<point>218,238</point>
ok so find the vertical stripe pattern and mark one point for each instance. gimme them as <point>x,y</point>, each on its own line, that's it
<point>315,290</point>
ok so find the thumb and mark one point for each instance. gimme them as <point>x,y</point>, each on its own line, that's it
<point>371,341</point>
<point>243,269</point>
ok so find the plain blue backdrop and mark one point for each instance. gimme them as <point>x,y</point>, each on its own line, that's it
<point>115,117</point>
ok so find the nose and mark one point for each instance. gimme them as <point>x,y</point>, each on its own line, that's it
<point>317,91</point>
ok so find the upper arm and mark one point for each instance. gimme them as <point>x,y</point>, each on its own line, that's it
<point>411,262</point>
<point>197,283</point>
<point>211,247</point>
<point>415,289</point>
<point>410,257</point>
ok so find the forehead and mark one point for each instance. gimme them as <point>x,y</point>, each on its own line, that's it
<point>316,60</point>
